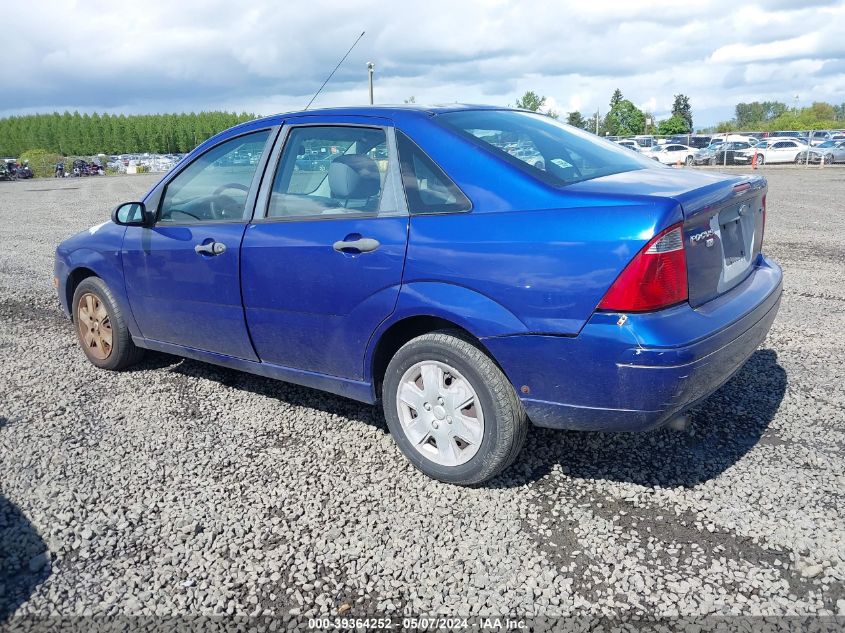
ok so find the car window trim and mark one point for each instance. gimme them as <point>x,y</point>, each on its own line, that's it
<point>262,202</point>
<point>252,195</point>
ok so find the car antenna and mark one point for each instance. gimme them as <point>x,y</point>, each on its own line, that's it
<point>335,70</point>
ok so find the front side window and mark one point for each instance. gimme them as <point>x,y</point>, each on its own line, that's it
<point>330,170</point>
<point>427,187</point>
<point>215,187</point>
<point>564,154</point>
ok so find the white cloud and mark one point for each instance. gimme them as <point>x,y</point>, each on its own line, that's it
<point>269,57</point>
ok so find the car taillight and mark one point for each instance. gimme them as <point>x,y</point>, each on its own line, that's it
<point>656,278</point>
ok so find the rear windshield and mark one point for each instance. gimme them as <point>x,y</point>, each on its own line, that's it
<point>556,153</point>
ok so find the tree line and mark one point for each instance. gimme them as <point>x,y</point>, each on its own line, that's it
<point>623,118</point>
<point>75,134</point>
<point>771,116</point>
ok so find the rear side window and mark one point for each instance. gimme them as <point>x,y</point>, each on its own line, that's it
<point>330,170</point>
<point>550,151</point>
<point>427,187</point>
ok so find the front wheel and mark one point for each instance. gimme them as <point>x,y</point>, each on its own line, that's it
<point>689,161</point>
<point>100,328</point>
<point>761,159</point>
<point>451,410</point>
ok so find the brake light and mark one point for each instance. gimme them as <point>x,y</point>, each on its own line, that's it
<point>656,278</point>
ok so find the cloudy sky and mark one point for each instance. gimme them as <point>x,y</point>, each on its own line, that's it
<point>268,56</point>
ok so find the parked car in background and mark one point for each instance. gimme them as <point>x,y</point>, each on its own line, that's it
<point>773,150</point>
<point>645,141</point>
<point>468,291</point>
<point>830,152</point>
<point>726,153</point>
<point>706,155</point>
<point>697,141</point>
<point>672,153</point>
<point>629,144</point>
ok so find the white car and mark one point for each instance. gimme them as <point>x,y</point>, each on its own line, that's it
<point>774,150</point>
<point>629,144</point>
<point>672,153</point>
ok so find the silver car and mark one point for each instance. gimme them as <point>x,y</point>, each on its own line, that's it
<point>830,152</point>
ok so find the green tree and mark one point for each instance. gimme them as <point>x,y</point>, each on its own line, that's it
<point>615,98</point>
<point>682,110</point>
<point>532,101</point>
<point>673,125</point>
<point>411,99</point>
<point>624,119</point>
<point>577,119</point>
<point>74,134</point>
<point>821,111</point>
<point>596,128</point>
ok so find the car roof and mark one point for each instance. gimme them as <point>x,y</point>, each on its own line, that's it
<point>384,110</point>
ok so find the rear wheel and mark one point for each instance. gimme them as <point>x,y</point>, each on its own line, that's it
<point>689,160</point>
<point>451,410</point>
<point>828,159</point>
<point>761,159</point>
<point>100,327</point>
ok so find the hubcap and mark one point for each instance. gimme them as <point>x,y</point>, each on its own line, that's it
<point>94,326</point>
<point>440,413</point>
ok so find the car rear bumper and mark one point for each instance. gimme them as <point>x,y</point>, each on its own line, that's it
<point>636,373</point>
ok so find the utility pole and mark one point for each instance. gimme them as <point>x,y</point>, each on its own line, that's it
<point>370,67</point>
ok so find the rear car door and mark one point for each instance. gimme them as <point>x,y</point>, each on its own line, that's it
<point>323,258</point>
<point>183,274</point>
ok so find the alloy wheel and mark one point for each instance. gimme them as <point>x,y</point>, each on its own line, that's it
<point>440,413</point>
<point>94,326</point>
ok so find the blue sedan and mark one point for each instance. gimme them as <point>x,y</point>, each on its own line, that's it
<point>474,269</point>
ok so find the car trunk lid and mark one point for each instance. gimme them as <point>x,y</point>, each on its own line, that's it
<point>723,221</point>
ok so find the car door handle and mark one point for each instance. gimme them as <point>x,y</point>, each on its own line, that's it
<point>212,248</point>
<point>361,245</point>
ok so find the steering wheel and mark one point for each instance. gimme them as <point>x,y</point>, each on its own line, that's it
<point>230,185</point>
<point>225,207</point>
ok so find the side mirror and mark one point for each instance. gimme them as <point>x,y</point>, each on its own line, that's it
<point>131,214</point>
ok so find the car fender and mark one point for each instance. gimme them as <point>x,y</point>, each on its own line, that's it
<point>108,266</point>
<point>476,313</point>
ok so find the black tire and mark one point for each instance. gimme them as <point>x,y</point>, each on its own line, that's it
<point>689,160</point>
<point>124,353</point>
<point>798,159</point>
<point>505,421</point>
<point>712,162</point>
<point>761,159</point>
<point>828,159</point>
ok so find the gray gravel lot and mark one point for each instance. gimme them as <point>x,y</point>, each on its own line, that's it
<point>185,488</point>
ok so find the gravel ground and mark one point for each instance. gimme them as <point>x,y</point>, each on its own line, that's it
<point>185,488</point>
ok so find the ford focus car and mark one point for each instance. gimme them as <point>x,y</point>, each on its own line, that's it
<point>421,264</point>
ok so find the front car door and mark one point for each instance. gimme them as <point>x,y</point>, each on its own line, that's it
<point>183,274</point>
<point>783,152</point>
<point>322,261</point>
